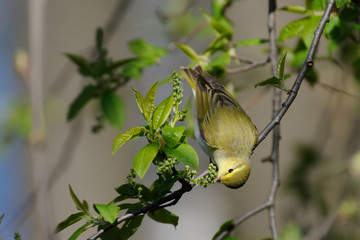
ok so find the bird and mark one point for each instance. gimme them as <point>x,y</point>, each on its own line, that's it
<point>223,129</point>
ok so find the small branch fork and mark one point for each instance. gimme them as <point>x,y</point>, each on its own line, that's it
<point>172,198</point>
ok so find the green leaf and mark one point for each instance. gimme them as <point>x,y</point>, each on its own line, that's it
<point>185,154</point>
<point>280,68</point>
<point>127,136</point>
<point>225,226</point>
<point>220,60</point>
<point>316,4</point>
<point>220,25</point>
<point>73,218</point>
<point>164,216</point>
<point>82,64</point>
<point>221,40</point>
<point>17,236</point>
<point>139,100</point>
<point>113,108</point>
<point>132,191</point>
<point>161,187</point>
<point>269,81</point>
<point>108,212</point>
<point>77,202</point>
<point>79,231</point>
<point>293,29</point>
<point>144,158</point>
<point>130,227</point>
<point>295,9</point>
<point>149,102</point>
<point>172,135</point>
<point>142,48</point>
<point>218,7</point>
<point>251,42</point>
<point>80,101</point>
<point>307,33</point>
<point>189,51</point>
<point>311,76</point>
<point>162,112</point>
<point>2,217</point>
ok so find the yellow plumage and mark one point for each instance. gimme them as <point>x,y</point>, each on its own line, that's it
<point>223,129</point>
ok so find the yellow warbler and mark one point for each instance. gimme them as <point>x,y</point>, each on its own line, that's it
<point>223,129</point>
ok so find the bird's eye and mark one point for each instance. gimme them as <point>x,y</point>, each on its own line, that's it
<point>230,170</point>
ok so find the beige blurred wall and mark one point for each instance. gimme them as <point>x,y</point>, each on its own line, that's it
<point>93,172</point>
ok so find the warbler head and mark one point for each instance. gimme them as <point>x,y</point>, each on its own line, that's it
<point>233,173</point>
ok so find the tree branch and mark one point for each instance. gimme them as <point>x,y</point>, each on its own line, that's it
<point>166,201</point>
<point>308,64</point>
<point>278,113</point>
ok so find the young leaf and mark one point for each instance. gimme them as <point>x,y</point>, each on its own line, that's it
<point>17,236</point>
<point>274,81</point>
<point>126,191</point>
<point>142,48</point>
<point>149,102</point>
<point>80,230</point>
<point>293,29</point>
<point>307,33</point>
<point>162,112</point>
<point>220,25</point>
<point>126,136</point>
<point>185,154</point>
<point>108,212</point>
<point>172,136</point>
<point>294,9</point>
<point>280,68</point>
<point>77,202</point>
<point>73,218</point>
<point>2,217</point>
<point>220,60</point>
<point>130,227</point>
<point>218,7</point>
<point>251,42</point>
<point>113,108</point>
<point>225,226</point>
<point>144,158</point>
<point>80,101</point>
<point>161,187</point>
<point>82,64</point>
<point>164,216</point>
<point>269,81</point>
<point>189,51</point>
<point>139,100</point>
<point>340,3</point>
<point>220,39</point>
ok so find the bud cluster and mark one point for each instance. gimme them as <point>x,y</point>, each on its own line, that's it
<point>165,167</point>
<point>177,88</point>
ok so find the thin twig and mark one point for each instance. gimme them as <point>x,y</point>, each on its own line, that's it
<point>252,65</point>
<point>337,90</point>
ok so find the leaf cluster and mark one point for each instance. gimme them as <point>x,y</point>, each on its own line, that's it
<point>166,148</point>
<point>107,75</point>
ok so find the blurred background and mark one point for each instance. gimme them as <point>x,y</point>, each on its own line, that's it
<point>42,153</point>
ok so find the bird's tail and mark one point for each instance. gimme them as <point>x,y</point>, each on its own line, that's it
<point>191,75</point>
